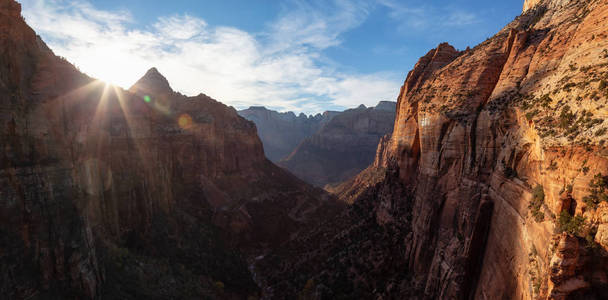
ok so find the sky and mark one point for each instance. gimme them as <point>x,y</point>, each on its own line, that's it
<point>288,55</point>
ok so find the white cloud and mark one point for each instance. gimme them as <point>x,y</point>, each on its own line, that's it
<point>283,68</point>
<point>429,18</point>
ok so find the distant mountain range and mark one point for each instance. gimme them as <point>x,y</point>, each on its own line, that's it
<point>280,132</point>
<point>325,148</point>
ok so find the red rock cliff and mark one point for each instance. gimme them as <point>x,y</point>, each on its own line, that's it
<point>520,115</point>
<point>112,193</point>
<point>493,185</point>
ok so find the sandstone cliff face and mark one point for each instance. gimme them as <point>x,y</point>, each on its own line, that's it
<point>119,194</point>
<point>343,147</point>
<point>281,133</point>
<point>496,171</point>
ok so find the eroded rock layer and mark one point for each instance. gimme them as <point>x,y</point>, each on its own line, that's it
<point>125,194</point>
<point>495,176</point>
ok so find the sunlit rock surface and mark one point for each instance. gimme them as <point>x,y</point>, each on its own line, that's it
<point>490,186</point>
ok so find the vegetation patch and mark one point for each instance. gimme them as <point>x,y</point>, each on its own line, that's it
<point>566,117</point>
<point>536,204</point>
<point>532,114</point>
<point>574,225</point>
<point>598,188</point>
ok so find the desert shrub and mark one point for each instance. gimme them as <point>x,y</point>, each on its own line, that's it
<point>598,188</point>
<point>535,205</point>
<point>552,166</point>
<point>574,225</point>
<point>566,117</point>
<point>545,100</point>
<point>569,188</point>
<point>532,114</point>
<point>568,86</point>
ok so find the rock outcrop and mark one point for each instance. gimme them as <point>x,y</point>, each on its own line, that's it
<point>343,147</point>
<point>116,194</point>
<point>493,185</point>
<point>281,133</point>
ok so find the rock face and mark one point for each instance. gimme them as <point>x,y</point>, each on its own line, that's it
<point>281,133</point>
<point>493,185</point>
<point>343,147</point>
<point>116,194</point>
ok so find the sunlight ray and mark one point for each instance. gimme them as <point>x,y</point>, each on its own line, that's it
<point>131,133</point>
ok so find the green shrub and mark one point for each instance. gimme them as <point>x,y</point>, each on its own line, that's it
<point>552,166</point>
<point>532,114</point>
<point>566,117</point>
<point>571,225</point>
<point>545,101</point>
<point>585,170</point>
<point>598,188</point>
<point>535,205</point>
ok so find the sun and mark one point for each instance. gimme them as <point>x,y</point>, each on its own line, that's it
<point>110,72</point>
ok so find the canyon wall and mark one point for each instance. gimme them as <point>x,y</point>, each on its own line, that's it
<point>117,194</point>
<point>493,185</point>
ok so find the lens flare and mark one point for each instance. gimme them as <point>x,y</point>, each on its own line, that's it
<point>147,99</point>
<point>185,121</point>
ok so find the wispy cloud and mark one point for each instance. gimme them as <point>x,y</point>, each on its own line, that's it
<point>426,17</point>
<point>283,67</point>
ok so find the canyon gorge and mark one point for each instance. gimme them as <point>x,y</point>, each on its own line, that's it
<point>488,180</point>
<point>493,183</point>
<point>325,149</point>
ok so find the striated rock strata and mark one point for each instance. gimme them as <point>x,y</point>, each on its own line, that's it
<point>116,194</point>
<point>493,185</point>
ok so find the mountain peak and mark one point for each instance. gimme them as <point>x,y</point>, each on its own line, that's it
<point>153,82</point>
<point>386,106</point>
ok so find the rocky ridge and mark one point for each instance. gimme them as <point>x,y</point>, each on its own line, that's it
<point>343,147</point>
<point>281,133</point>
<point>120,194</point>
<point>493,185</point>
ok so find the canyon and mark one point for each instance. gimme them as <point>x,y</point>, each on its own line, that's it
<point>115,194</point>
<point>343,147</point>
<point>492,185</point>
<point>281,133</point>
<point>326,149</point>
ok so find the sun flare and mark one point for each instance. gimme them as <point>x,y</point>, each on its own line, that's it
<point>110,73</point>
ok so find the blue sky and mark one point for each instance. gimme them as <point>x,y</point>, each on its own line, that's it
<point>301,55</point>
